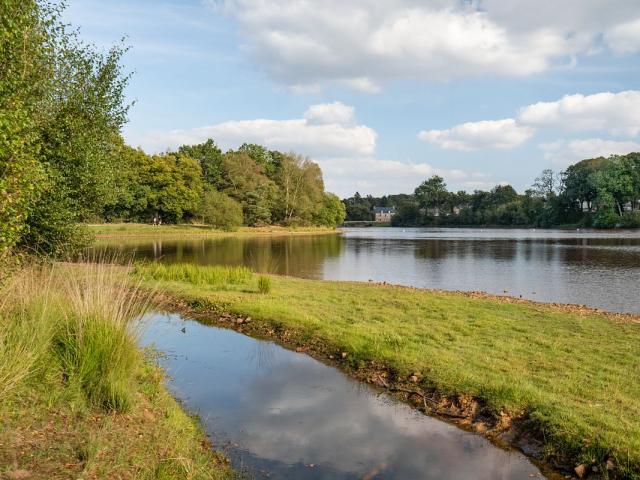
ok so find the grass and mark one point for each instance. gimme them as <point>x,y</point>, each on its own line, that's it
<point>264,284</point>
<point>79,398</point>
<point>186,272</point>
<point>574,375</point>
<point>109,230</point>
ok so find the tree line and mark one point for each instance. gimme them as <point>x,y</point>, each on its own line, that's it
<point>249,186</point>
<point>63,160</point>
<point>600,192</point>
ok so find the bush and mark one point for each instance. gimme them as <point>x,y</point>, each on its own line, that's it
<point>264,284</point>
<point>630,219</point>
<point>606,218</point>
<point>220,210</point>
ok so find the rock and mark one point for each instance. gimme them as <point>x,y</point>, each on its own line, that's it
<point>247,320</point>
<point>414,378</point>
<point>581,470</point>
<point>239,321</point>
<point>331,357</point>
<point>17,475</point>
<point>299,349</point>
<point>344,354</point>
<point>610,465</point>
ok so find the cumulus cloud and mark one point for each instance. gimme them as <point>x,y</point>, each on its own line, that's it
<point>616,113</point>
<point>326,129</point>
<point>564,153</point>
<point>362,44</point>
<point>498,134</point>
<point>380,177</point>
<point>329,113</point>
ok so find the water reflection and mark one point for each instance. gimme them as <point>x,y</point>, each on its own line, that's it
<point>277,413</point>
<point>586,267</point>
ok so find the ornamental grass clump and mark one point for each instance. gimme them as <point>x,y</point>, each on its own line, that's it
<point>78,320</point>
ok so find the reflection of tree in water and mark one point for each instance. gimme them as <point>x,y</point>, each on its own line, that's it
<point>288,255</point>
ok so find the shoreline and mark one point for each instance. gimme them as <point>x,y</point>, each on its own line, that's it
<point>142,230</point>
<point>505,432</point>
<point>467,407</point>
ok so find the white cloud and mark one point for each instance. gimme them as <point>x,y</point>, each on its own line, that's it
<point>329,113</point>
<point>374,176</point>
<point>362,44</point>
<point>624,38</point>
<point>327,129</point>
<point>616,113</point>
<point>564,153</point>
<point>499,134</point>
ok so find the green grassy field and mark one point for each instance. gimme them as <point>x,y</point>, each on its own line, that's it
<point>79,398</point>
<point>107,230</point>
<point>573,375</point>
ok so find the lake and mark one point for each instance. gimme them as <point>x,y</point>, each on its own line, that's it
<point>279,414</point>
<point>596,268</point>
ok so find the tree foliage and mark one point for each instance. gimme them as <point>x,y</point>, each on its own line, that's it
<point>62,110</point>
<point>600,192</point>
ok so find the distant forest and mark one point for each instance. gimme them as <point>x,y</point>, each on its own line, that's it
<point>599,192</point>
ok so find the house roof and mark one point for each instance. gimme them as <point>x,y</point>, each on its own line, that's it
<point>384,210</point>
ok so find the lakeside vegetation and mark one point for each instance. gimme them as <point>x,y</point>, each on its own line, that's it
<point>78,396</point>
<point>569,375</point>
<point>119,230</point>
<point>599,192</point>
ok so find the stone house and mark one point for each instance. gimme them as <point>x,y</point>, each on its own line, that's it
<point>383,214</point>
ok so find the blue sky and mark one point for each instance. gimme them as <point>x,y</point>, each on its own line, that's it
<point>383,94</point>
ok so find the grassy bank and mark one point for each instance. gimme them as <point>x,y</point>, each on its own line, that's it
<point>79,398</point>
<point>568,377</point>
<point>108,230</point>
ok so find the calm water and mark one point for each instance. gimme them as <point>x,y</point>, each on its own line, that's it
<point>599,269</point>
<point>278,414</point>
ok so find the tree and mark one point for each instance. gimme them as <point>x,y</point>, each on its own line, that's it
<point>25,73</point>
<point>63,107</point>
<point>578,184</point>
<point>614,184</point>
<point>359,208</point>
<point>209,156</point>
<point>545,186</point>
<point>301,187</point>
<point>220,210</point>
<point>172,185</point>
<point>331,213</point>
<point>432,194</point>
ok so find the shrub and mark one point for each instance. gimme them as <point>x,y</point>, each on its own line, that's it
<point>264,284</point>
<point>220,210</point>
<point>630,219</point>
<point>606,218</point>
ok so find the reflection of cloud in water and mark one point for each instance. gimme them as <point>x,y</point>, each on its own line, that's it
<point>286,410</point>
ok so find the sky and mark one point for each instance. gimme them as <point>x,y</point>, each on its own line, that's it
<point>383,94</point>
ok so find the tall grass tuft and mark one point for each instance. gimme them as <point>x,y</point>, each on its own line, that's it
<point>80,318</point>
<point>96,341</point>
<point>264,284</point>
<point>199,275</point>
<point>25,329</point>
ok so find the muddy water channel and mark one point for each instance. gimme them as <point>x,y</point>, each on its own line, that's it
<point>279,414</point>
